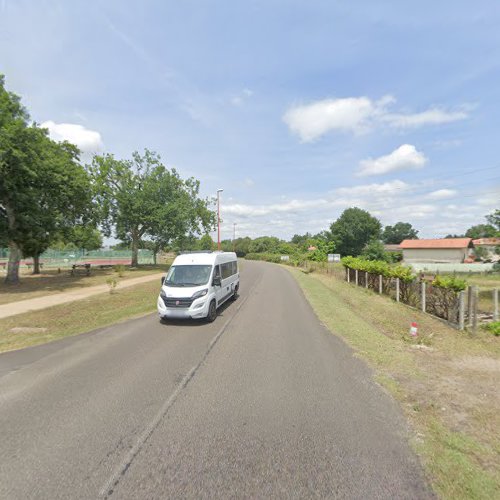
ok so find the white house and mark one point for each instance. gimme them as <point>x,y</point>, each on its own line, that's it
<point>454,250</point>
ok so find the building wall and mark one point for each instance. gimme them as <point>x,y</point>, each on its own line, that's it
<point>434,254</point>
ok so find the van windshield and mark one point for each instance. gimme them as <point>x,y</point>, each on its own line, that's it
<point>188,275</point>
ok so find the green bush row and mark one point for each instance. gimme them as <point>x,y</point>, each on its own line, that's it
<point>387,270</point>
<point>450,283</point>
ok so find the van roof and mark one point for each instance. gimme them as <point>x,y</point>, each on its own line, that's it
<point>204,258</point>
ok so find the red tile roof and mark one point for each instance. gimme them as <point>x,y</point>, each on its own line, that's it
<point>438,243</point>
<point>487,241</point>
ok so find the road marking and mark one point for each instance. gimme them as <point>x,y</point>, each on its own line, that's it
<point>120,471</point>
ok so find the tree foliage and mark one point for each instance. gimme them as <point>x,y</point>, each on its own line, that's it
<point>481,231</point>
<point>393,235</point>
<point>353,230</point>
<point>142,198</point>
<point>43,188</point>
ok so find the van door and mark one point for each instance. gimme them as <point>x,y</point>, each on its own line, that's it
<point>219,290</point>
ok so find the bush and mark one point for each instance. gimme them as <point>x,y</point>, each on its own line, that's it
<point>450,283</point>
<point>268,257</point>
<point>494,328</point>
<point>120,269</point>
<point>496,267</point>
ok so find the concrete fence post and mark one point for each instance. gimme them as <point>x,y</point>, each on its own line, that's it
<point>356,274</point>
<point>379,283</point>
<point>397,289</point>
<point>475,301</point>
<point>461,310</point>
<point>366,279</point>
<point>422,292</point>
<point>348,274</point>
<point>495,304</point>
<point>470,305</point>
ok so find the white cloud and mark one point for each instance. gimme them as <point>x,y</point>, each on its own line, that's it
<point>358,115</point>
<point>405,157</point>
<point>241,97</point>
<point>88,141</point>
<point>442,194</point>
<point>248,182</point>
<point>433,116</point>
<point>351,114</point>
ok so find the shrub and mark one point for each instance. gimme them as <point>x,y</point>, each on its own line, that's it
<point>494,328</point>
<point>120,269</point>
<point>450,283</point>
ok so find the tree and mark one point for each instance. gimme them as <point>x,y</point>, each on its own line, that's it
<point>481,231</point>
<point>374,250</point>
<point>494,219</point>
<point>142,198</point>
<point>265,244</point>
<point>206,242</point>
<point>85,237</point>
<point>393,235</point>
<point>353,230</point>
<point>43,188</point>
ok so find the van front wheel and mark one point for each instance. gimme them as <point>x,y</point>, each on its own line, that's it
<point>212,312</point>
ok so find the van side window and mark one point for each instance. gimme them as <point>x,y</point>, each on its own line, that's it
<point>217,272</point>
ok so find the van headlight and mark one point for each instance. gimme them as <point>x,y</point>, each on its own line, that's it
<point>199,294</point>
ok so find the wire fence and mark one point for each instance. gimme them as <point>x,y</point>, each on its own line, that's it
<point>466,309</point>
<point>66,258</point>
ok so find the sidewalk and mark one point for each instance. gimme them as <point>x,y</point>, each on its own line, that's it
<point>22,306</point>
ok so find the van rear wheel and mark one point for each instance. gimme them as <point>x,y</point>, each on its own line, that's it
<point>235,293</point>
<point>212,312</point>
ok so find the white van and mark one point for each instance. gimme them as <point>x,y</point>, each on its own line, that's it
<point>197,283</point>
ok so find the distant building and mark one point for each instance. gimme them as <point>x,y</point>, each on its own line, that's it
<point>489,244</point>
<point>388,247</point>
<point>454,250</point>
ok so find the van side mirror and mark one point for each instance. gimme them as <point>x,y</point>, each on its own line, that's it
<point>216,281</point>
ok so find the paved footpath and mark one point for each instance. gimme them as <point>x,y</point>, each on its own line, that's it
<point>23,306</point>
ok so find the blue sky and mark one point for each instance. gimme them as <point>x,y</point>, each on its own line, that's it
<point>297,109</point>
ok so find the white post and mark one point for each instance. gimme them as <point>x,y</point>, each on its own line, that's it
<point>461,310</point>
<point>397,289</point>
<point>495,304</point>
<point>366,279</point>
<point>422,288</point>
<point>475,312</point>
<point>379,283</point>
<point>356,273</point>
<point>348,274</point>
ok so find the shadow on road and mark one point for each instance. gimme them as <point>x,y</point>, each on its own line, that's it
<point>196,322</point>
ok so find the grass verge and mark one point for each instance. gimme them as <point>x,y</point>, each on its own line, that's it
<point>78,317</point>
<point>446,381</point>
<point>51,282</point>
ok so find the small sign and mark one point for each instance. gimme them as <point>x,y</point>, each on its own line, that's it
<point>333,257</point>
<point>285,258</point>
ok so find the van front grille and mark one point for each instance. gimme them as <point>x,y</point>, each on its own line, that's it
<point>175,302</point>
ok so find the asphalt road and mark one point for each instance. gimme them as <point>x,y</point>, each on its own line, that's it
<point>262,403</point>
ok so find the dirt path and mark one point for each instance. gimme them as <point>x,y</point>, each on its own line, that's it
<point>23,306</point>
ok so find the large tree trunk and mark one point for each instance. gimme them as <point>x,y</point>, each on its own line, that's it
<point>12,277</point>
<point>154,257</point>
<point>135,250</point>
<point>36,264</point>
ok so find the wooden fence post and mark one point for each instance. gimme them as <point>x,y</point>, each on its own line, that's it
<point>397,289</point>
<point>495,304</point>
<point>356,273</point>
<point>461,310</point>
<point>470,305</point>
<point>422,292</point>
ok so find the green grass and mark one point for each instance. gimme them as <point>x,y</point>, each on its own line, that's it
<point>450,405</point>
<point>51,282</point>
<point>78,317</point>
